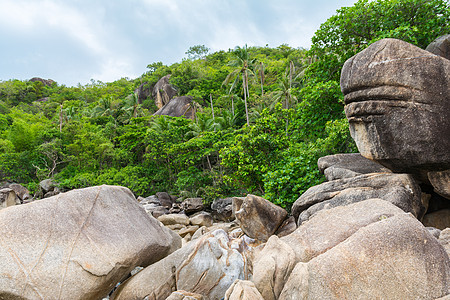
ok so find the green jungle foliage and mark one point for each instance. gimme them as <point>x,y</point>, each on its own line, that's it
<point>274,112</point>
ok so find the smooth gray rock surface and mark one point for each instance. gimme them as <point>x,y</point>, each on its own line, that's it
<point>397,100</point>
<point>76,245</point>
<point>399,189</point>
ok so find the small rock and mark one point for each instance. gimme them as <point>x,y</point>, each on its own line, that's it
<point>223,209</point>
<point>136,270</point>
<point>202,219</point>
<point>440,46</point>
<point>192,205</point>
<point>183,295</point>
<point>22,192</point>
<point>439,219</point>
<point>237,203</point>
<point>172,219</point>
<point>187,238</point>
<point>47,185</point>
<point>259,218</point>
<point>176,209</point>
<point>8,198</point>
<point>188,230</point>
<point>176,226</point>
<point>243,290</point>
<point>165,199</point>
<point>159,211</point>
<point>55,191</point>
<point>149,200</point>
<point>440,182</point>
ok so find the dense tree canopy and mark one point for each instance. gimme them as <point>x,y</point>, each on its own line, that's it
<point>276,111</point>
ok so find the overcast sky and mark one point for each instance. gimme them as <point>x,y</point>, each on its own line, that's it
<point>73,41</point>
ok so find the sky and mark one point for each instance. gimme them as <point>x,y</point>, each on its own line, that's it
<point>74,41</point>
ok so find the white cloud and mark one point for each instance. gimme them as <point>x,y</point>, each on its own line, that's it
<point>76,40</point>
<point>42,15</point>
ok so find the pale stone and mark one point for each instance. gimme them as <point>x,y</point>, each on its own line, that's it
<point>259,218</point>
<point>243,290</point>
<point>76,245</point>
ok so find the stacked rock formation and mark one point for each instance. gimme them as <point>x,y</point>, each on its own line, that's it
<point>360,235</point>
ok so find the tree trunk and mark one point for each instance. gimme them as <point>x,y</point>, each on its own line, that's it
<point>212,109</point>
<point>245,97</point>
<point>261,75</point>
<point>60,117</point>
<point>232,104</point>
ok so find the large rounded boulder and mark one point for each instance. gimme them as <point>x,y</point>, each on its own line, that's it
<point>397,100</point>
<point>76,245</point>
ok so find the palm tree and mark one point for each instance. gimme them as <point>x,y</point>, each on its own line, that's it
<point>132,102</point>
<point>227,120</point>
<point>285,84</point>
<point>284,92</point>
<point>231,96</point>
<point>104,107</point>
<point>204,123</point>
<point>130,109</point>
<point>160,124</point>
<point>261,69</point>
<point>245,69</point>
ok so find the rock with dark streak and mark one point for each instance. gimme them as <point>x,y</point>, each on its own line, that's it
<point>397,101</point>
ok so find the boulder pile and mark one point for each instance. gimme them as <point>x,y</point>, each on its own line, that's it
<point>378,228</point>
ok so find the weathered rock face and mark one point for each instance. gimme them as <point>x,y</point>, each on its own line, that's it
<point>259,218</point>
<point>163,92</point>
<point>330,227</point>
<point>177,107</point>
<point>348,165</point>
<point>398,105</point>
<point>274,264</point>
<point>272,267</point>
<point>207,266</point>
<point>395,258</point>
<point>223,209</point>
<point>76,245</point>
<point>142,92</point>
<point>399,189</point>
<point>243,290</point>
<point>192,205</point>
<point>46,82</point>
<point>441,46</point>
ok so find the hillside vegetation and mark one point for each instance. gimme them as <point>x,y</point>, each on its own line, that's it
<point>274,112</point>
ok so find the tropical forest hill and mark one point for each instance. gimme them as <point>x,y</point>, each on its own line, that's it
<point>263,115</point>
